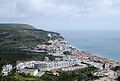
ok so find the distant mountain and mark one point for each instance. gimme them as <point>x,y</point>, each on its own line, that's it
<point>19,35</point>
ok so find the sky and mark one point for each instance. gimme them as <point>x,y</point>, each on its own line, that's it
<point>63,14</point>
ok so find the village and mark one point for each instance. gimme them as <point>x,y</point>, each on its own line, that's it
<point>69,59</point>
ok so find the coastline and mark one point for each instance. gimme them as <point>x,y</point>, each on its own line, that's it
<point>106,47</point>
<point>95,54</point>
<point>91,54</point>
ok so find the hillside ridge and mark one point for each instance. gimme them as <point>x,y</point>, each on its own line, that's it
<point>10,26</point>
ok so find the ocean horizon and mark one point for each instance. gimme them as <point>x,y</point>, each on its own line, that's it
<point>101,43</point>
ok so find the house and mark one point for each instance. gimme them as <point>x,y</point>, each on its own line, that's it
<point>6,69</point>
<point>30,72</point>
<point>105,73</point>
<point>104,79</point>
<point>54,72</point>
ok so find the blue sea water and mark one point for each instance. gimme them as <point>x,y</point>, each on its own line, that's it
<point>101,43</point>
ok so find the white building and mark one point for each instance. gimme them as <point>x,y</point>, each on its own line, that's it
<point>30,72</point>
<point>6,69</point>
<point>104,79</point>
<point>29,64</point>
<point>74,67</point>
<point>97,65</point>
<point>56,64</point>
<point>109,73</point>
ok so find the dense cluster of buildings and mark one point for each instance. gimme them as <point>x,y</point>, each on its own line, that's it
<point>42,66</point>
<point>73,59</point>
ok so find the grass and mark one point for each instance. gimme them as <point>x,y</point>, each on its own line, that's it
<point>22,78</point>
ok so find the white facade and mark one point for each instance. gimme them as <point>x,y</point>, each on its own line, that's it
<point>6,69</point>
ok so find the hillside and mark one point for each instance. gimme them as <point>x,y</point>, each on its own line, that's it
<point>13,37</point>
<point>15,26</point>
<point>23,35</point>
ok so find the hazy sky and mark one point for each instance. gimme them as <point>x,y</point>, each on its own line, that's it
<point>63,14</point>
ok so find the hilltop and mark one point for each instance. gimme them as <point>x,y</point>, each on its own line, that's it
<point>15,26</point>
<point>23,35</point>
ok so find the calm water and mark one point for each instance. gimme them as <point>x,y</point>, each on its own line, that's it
<point>102,43</point>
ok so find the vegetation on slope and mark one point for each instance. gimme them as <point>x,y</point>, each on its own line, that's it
<point>14,37</point>
<point>19,35</point>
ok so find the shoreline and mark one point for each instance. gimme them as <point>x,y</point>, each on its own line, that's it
<point>97,47</point>
<point>95,54</point>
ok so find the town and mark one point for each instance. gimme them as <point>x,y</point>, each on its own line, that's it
<point>68,58</point>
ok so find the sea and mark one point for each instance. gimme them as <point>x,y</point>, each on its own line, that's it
<point>101,43</point>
